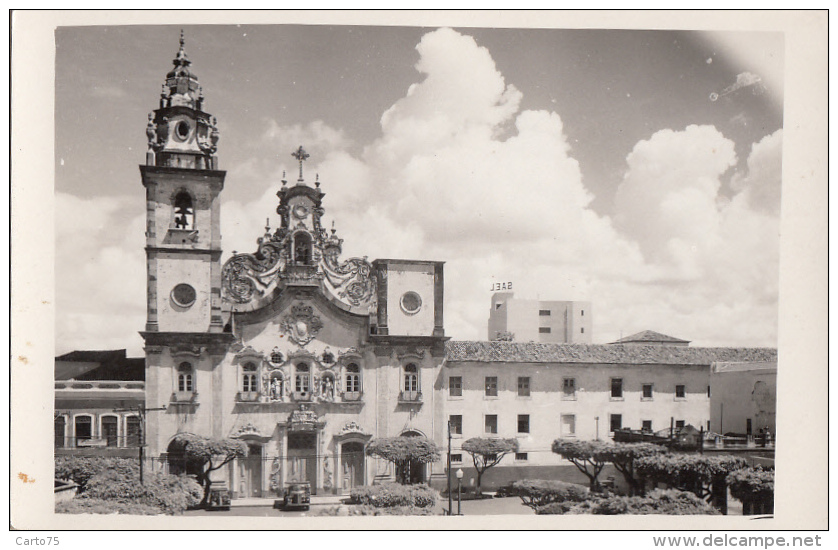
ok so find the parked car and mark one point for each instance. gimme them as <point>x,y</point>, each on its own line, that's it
<point>297,494</point>
<point>219,496</point>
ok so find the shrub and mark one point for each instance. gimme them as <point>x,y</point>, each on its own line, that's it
<point>394,494</point>
<point>79,469</point>
<point>367,510</point>
<point>169,494</point>
<point>539,492</point>
<point>666,502</point>
<point>556,508</point>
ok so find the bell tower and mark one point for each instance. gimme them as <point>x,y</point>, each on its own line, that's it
<point>182,182</point>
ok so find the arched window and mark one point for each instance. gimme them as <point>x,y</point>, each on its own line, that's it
<point>109,430</point>
<point>83,428</point>
<point>411,378</point>
<point>302,248</point>
<point>132,431</point>
<point>301,380</point>
<point>353,378</point>
<point>184,377</point>
<point>184,213</point>
<point>249,378</point>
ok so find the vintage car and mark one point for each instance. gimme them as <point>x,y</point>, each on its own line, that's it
<point>297,494</point>
<point>219,496</point>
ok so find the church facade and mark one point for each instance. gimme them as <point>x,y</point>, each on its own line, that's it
<point>299,353</point>
<point>306,356</point>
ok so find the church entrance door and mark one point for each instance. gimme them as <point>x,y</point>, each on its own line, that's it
<point>302,458</point>
<point>252,472</point>
<point>352,465</point>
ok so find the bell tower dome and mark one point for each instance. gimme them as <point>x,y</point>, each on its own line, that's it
<point>180,134</point>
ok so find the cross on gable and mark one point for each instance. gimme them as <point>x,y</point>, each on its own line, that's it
<point>301,155</point>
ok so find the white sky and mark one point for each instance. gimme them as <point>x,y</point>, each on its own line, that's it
<point>625,168</point>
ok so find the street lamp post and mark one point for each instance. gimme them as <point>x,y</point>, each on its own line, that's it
<point>597,428</point>
<point>141,410</point>
<point>459,491</point>
<point>449,468</point>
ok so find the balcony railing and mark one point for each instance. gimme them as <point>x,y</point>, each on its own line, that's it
<point>247,396</point>
<point>99,385</point>
<point>304,396</point>
<point>352,395</point>
<point>410,397</point>
<point>184,397</point>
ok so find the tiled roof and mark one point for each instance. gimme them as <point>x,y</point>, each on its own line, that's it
<point>99,365</point>
<point>650,336</point>
<point>132,369</point>
<point>93,356</point>
<point>745,366</point>
<point>515,352</point>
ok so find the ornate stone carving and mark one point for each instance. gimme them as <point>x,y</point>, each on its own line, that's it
<point>247,275</point>
<point>248,352</point>
<point>349,352</point>
<point>327,474</point>
<point>303,420</point>
<point>247,430</point>
<point>301,325</point>
<point>276,474</point>
<point>186,349</point>
<point>352,427</point>
<point>410,351</point>
<point>300,353</point>
<point>350,279</point>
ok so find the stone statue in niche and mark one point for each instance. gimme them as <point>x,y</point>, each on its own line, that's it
<point>276,389</point>
<point>327,389</point>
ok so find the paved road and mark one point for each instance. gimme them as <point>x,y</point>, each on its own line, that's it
<point>494,506</point>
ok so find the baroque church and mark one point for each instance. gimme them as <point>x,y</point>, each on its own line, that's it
<point>306,356</point>
<point>290,348</point>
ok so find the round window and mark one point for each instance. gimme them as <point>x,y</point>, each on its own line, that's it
<point>183,295</point>
<point>182,129</point>
<point>411,303</point>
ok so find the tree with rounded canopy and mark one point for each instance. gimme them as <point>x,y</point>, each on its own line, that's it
<point>206,455</point>
<point>623,457</point>
<point>704,476</point>
<point>754,487</point>
<point>589,457</point>
<point>487,452</point>
<point>402,451</point>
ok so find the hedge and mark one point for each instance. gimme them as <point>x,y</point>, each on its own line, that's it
<point>752,485</point>
<point>99,506</point>
<point>367,510</point>
<point>539,492</point>
<point>665,502</point>
<point>394,494</point>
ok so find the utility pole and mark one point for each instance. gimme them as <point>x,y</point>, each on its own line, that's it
<point>450,501</point>
<point>141,410</point>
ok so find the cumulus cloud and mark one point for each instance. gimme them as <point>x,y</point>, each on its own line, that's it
<point>461,174</point>
<point>100,273</point>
